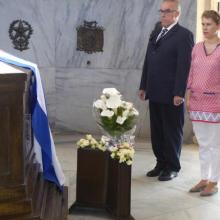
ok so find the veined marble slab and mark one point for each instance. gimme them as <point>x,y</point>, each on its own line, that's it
<point>127,27</point>
<point>40,15</point>
<point>70,84</point>
<point>75,96</point>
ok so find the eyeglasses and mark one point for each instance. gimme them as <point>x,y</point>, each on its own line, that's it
<point>166,11</point>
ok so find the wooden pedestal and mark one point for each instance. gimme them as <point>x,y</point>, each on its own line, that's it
<point>102,184</point>
<point>92,170</point>
<point>119,190</point>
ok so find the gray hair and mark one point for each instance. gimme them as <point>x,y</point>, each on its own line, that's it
<point>177,2</point>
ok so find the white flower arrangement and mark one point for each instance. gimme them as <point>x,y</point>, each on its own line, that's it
<point>113,114</point>
<point>124,153</point>
<point>117,118</point>
<point>90,141</point>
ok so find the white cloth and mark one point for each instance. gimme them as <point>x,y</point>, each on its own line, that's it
<point>208,137</point>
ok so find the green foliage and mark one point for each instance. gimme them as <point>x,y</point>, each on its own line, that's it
<point>115,129</point>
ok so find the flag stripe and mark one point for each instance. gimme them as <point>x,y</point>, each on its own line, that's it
<point>41,130</point>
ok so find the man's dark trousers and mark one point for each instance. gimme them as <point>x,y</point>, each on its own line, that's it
<point>166,122</point>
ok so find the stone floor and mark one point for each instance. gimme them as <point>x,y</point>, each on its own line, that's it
<point>150,199</point>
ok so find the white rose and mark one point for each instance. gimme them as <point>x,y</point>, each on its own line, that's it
<point>113,155</point>
<point>93,141</point>
<point>132,152</point>
<point>122,159</point>
<point>125,144</point>
<point>100,147</point>
<point>124,151</point>
<point>89,137</point>
<point>104,139</point>
<point>129,162</point>
<point>113,149</point>
<point>80,142</point>
<point>85,143</point>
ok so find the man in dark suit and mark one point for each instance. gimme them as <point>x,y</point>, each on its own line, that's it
<point>163,82</point>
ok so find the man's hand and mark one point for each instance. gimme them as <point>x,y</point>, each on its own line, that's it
<point>177,100</point>
<point>141,95</point>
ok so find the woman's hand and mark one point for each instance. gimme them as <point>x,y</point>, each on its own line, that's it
<point>187,100</point>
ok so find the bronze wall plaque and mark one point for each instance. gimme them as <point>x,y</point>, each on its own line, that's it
<point>90,37</point>
<point>20,32</point>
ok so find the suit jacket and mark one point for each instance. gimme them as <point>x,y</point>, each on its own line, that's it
<point>166,65</point>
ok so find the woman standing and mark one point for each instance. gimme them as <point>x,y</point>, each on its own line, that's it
<point>203,103</point>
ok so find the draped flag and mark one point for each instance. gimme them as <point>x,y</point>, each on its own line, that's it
<point>43,140</point>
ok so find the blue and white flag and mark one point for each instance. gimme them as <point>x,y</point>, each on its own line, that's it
<point>43,140</point>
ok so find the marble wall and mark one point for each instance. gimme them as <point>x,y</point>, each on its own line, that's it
<point>71,85</point>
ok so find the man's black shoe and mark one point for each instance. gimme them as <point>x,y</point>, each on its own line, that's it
<point>155,172</point>
<point>167,175</point>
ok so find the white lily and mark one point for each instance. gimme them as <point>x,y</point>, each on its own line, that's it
<point>129,105</point>
<point>135,111</point>
<point>107,113</point>
<point>111,91</point>
<point>125,113</point>
<point>103,98</point>
<point>113,101</point>
<point>120,120</point>
<point>100,104</point>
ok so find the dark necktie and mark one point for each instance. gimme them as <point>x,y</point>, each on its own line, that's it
<point>163,32</point>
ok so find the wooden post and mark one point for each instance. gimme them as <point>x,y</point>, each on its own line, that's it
<point>119,190</point>
<point>91,184</point>
<point>102,184</point>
